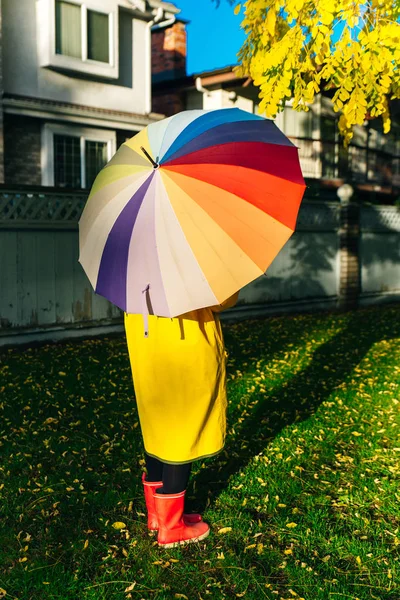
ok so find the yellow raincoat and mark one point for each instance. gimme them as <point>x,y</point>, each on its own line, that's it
<point>179,377</point>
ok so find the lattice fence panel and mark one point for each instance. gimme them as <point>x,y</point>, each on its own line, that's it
<point>318,216</point>
<point>44,207</point>
<point>380,218</point>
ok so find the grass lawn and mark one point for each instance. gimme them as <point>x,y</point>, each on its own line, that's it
<point>304,502</point>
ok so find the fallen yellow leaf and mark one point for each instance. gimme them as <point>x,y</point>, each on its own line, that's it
<point>118,525</point>
<point>326,558</point>
<point>250,547</point>
<point>225,530</point>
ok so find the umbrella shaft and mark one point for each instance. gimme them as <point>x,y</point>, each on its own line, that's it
<point>149,157</point>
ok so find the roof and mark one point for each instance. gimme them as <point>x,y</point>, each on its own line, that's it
<point>221,76</point>
<point>45,108</point>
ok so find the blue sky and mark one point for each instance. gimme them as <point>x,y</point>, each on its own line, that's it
<point>214,34</point>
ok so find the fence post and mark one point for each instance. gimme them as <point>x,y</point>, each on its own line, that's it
<point>350,275</point>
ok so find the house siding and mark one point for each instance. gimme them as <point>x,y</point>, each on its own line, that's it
<point>26,26</point>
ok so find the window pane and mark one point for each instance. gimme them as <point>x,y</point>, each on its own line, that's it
<point>67,161</point>
<point>68,29</point>
<point>98,36</point>
<point>96,158</point>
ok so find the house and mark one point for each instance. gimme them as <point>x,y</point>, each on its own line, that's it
<point>75,83</point>
<point>77,78</point>
<point>371,164</point>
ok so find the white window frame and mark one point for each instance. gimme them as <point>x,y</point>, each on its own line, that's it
<point>46,27</point>
<point>84,134</point>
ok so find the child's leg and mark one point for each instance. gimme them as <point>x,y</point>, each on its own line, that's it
<point>154,468</point>
<point>175,478</point>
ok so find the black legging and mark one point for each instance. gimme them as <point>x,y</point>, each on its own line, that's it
<point>174,477</point>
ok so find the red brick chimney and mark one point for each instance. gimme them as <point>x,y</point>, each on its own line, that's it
<point>168,48</point>
<point>168,61</point>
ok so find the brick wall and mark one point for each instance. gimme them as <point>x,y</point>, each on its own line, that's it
<point>168,104</point>
<point>350,279</point>
<point>168,52</point>
<point>22,144</point>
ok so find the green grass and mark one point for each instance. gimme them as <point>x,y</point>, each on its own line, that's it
<point>303,503</point>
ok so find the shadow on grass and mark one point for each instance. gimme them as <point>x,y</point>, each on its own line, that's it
<point>296,400</point>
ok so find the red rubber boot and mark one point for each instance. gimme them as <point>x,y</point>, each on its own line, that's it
<point>152,521</point>
<point>172,528</point>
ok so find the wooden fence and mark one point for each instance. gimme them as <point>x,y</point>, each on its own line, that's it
<point>339,256</point>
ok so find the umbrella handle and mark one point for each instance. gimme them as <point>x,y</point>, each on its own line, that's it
<point>145,311</point>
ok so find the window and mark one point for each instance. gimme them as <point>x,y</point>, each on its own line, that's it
<point>95,159</point>
<point>68,29</point>
<point>67,161</point>
<point>82,33</point>
<point>72,157</point>
<point>98,36</point>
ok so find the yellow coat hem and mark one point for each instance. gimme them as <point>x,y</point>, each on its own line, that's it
<point>184,462</point>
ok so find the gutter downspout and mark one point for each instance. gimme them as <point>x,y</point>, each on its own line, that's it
<point>200,88</point>
<point>157,18</point>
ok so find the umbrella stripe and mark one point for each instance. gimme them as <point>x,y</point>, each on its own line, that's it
<point>143,260</point>
<point>177,124</point>
<point>243,131</point>
<point>259,235</point>
<point>114,173</point>
<point>226,267</point>
<point>206,121</point>
<point>140,140</point>
<point>156,132</point>
<point>127,156</point>
<point>162,248</point>
<point>120,189</point>
<point>111,280</point>
<point>281,161</point>
<point>275,196</point>
<point>94,237</point>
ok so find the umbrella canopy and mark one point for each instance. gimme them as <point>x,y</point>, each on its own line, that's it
<point>190,210</point>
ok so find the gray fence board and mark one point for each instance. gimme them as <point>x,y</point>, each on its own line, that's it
<point>27,296</point>
<point>65,255</point>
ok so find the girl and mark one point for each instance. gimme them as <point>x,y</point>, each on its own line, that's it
<point>179,379</point>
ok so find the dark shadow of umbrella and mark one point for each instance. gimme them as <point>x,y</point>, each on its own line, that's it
<point>295,401</point>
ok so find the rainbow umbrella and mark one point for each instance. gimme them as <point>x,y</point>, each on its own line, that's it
<point>190,210</point>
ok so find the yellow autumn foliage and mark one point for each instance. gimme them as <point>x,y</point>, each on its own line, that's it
<point>294,48</point>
